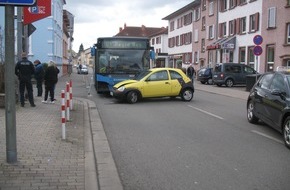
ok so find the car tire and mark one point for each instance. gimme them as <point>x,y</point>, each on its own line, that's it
<point>250,113</point>
<point>209,81</point>
<point>202,82</point>
<point>132,97</point>
<point>187,95</point>
<point>229,83</point>
<point>286,132</point>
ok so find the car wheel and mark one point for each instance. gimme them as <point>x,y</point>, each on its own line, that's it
<point>286,132</point>
<point>229,83</point>
<point>202,82</point>
<point>209,81</point>
<point>250,113</point>
<point>187,94</point>
<point>132,97</point>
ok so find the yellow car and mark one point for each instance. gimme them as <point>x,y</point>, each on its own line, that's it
<point>157,82</point>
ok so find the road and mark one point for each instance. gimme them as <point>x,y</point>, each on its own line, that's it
<point>203,144</point>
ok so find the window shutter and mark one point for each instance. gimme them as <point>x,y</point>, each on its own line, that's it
<point>257,21</point>
<point>238,30</point>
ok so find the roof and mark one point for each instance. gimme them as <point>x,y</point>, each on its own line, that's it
<point>162,31</point>
<point>136,31</point>
<point>182,10</point>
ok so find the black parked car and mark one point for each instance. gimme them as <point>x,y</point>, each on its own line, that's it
<point>269,101</point>
<point>231,74</point>
<point>204,75</point>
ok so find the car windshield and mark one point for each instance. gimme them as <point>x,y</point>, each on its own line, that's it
<point>201,71</point>
<point>142,75</point>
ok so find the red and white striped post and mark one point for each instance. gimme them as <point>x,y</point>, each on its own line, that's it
<point>70,95</point>
<point>63,114</point>
<point>67,102</point>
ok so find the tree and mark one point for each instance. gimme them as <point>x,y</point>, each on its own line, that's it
<point>81,49</point>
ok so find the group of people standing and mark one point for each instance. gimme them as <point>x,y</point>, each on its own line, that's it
<point>25,70</point>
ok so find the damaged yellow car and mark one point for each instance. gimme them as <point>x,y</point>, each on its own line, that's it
<point>154,83</point>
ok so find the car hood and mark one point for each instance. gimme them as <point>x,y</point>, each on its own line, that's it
<point>125,82</point>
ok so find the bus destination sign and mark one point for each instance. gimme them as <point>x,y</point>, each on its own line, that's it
<point>124,44</point>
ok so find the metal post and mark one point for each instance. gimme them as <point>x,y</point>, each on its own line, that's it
<point>19,32</point>
<point>11,149</point>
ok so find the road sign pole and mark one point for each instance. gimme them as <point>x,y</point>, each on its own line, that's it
<point>10,115</point>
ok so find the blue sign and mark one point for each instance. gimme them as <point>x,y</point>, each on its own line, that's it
<point>258,50</point>
<point>258,39</point>
<point>17,2</point>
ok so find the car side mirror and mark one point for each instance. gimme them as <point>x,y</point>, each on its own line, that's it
<point>280,93</point>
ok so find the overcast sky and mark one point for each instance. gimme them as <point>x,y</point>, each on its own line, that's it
<point>103,18</point>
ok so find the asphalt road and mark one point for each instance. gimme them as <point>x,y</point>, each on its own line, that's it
<point>203,144</point>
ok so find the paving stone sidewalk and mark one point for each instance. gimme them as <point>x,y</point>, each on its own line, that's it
<point>45,161</point>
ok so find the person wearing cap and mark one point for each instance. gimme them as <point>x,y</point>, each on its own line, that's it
<point>38,75</point>
<point>24,70</point>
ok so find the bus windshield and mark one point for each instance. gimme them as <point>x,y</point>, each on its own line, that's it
<point>122,61</point>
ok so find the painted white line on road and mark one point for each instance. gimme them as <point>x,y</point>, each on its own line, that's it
<point>206,112</point>
<point>267,136</point>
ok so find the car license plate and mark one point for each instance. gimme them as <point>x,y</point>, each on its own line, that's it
<point>215,76</point>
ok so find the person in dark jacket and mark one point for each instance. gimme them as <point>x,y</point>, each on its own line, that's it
<point>50,80</point>
<point>190,72</point>
<point>38,75</point>
<point>24,69</point>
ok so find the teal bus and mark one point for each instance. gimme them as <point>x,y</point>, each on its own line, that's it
<point>118,59</point>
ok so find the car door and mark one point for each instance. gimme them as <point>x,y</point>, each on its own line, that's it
<point>175,82</point>
<point>275,102</point>
<point>236,71</point>
<point>157,85</point>
<point>260,93</point>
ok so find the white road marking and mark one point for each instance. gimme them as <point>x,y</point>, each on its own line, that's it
<point>267,136</point>
<point>206,112</point>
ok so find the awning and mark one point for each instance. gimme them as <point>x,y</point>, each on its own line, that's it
<point>223,43</point>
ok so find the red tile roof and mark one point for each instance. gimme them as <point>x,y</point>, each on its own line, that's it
<point>143,31</point>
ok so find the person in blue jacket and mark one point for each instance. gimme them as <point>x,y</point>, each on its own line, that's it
<point>38,75</point>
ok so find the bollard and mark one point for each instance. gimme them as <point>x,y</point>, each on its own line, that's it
<point>67,102</point>
<point>70,96</point>
<point>63,114</point>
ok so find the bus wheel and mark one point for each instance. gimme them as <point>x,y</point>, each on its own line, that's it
<point>132,97</point>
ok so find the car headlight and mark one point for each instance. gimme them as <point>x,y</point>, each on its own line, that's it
<point>121,89</point>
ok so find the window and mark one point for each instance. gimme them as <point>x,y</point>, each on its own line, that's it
<point>254,22</point>
<point>265,81</point>
<point>251,57</point>
<point>202,45</point>
<point>232,27</point>
<point>175,75</point>
<point>270,53</point>
<point>177,41</point>
<point>243,23</point>
<point>233,3</point>
<point>210,31</point>
<point>196,14</point>
<point>288,34</point>
<point>158,40</point>
<point>196,35</point>
<point>223,5</point>
<point>188,19</point>
<point>222,29</point>
<point>272,17</point>
<point>171,25</point>
<point>278,83</point>
<point>288,2</point>
<point>153,41</point>
<point>203,23</point>
<point>204,5</point>
<point>179,22</point>
<point>242,2</point>
<point>196,57</point>
<point>188,38</point>
<point>211,8</point>
<point>242,55</point>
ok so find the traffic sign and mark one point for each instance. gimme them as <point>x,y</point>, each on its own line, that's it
<point>258,50</point>
<point>18,2</point>
<point>258,39</point>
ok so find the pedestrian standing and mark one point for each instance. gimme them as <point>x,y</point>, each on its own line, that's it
<point>190,72</point>
<point>50,80</point>
<point>38,75</point>
<point>24,69</point>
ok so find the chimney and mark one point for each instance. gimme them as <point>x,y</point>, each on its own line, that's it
<point>125,25</point>
<point>120,29</point>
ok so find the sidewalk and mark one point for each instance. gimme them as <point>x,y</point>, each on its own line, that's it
<point>45,161</point>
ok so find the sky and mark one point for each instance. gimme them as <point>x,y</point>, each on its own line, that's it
<point>103,18</point>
